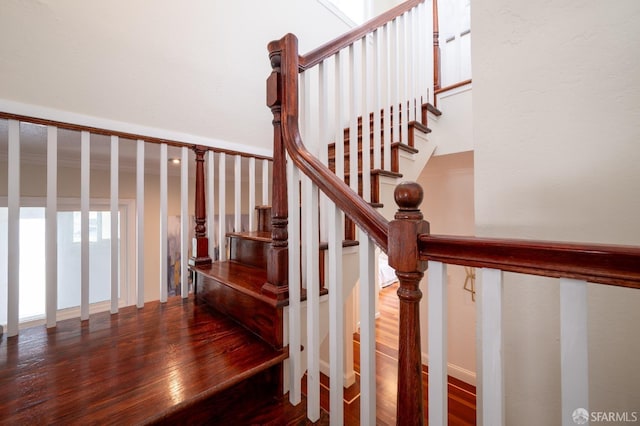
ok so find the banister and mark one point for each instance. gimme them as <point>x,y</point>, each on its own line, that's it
<point>285,60</point>
<point>334,46</point>
<point>605,264</point>
<point>123,135</point>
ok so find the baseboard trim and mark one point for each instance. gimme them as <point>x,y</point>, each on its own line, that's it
<point>349,377</point>
<point>460,373</point>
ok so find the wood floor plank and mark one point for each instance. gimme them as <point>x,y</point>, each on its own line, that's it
<point>132,367</point>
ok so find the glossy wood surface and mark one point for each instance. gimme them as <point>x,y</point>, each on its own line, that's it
<point>598,263</point>
<point>136,367</point>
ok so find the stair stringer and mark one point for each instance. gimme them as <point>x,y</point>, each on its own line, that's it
<point>350,261</point>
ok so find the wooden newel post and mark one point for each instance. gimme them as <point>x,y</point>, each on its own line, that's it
<point>277,256</point>
<point>200,249</point>
<point>403,257</point>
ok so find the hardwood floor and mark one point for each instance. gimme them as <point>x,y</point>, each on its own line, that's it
<point>175,361</point>
<point>462,398</point>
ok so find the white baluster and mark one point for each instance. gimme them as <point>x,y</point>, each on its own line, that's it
<point>13,228</point>
<point>295,368</point>
<point>184,222</point>
<point>222,205</point>
<point>85,167</point>
<point>376,99</point>
<point>574,348</point>
<point>51,223</point>
<point>237,186</point>
<point>252,193</point>
<point>211,203</point>
<point>387,92</point>
<point>492,383</point>
<point>115,223</point>
<point>323,123</point>
<point>339,123</point>
<point>336,315</point>
<point>164,224</point>
<point>353,120</point>
<point>368,295</point>
<point>403,53</point>
<point>437,301</point>
<point>310,207</point>
<point>140,223</point>
<point>265,182</point>
<point>365,108</point>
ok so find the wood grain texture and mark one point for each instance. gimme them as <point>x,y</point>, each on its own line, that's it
<point>135,367</point>
<point>597,263</point>
<point>236,289</point>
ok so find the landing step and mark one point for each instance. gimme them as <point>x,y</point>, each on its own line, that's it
<point>262,236</point>
<point>156,364</point>
<point>241,277</point>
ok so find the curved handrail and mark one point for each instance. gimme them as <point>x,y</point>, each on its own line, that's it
<point>334,46</point>
<point>365,216</point>
<point>599,263</point>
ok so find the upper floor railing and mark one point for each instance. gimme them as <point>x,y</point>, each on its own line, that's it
<point>101,194</point>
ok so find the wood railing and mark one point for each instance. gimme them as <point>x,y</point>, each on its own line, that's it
<point>113,152</point>
<point>402,74</point>
<point>410,250</point>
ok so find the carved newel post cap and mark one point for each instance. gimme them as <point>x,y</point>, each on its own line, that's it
<point>408,196</point>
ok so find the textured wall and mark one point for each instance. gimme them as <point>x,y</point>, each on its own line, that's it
<point>556,115</point>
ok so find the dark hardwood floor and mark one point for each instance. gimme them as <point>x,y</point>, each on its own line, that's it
<point>164,362</point>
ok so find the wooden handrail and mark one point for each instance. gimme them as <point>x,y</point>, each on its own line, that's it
<point>452,86</point>
<point>598,263</point>
<point>124,135</point>
<point>334,46</point>
<point>284,58</point>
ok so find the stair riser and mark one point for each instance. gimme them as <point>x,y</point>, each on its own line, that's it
<point>257,316</point>
<point>250,252</point>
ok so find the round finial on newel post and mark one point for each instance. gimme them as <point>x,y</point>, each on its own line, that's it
<point>408,196</point>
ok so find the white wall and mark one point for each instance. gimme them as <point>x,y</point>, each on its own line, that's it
<point>198,69</point>
<point>556,111</point>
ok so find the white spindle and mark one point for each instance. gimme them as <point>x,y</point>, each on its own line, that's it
<point>295,367</point>
<point>13,228</point>
<point>310,208</point>
<point>368,294</point>
<point>323,126</point>
<point>336,315</point>
<point>115,242</point>
<point>387,92</point>
<point>237,198</point>
<point>376,98</point>
<point>365,108</point>
<point>392,93</point>
<point>184,223</point>
<point>164,223</point>
<point>574,348</point>
<point>353,119</point>
<point>437,300</point>
<point>222,206</point>
<point>211,203</point>
<point>265,183</point>
<point>339,107</point>
<point>85,167</point>
<point>492,363</point>
<point>402,77</point>
<point>140,223</point>
<point>395,82</point>
<point>51,223</point>
<point>252,193</point>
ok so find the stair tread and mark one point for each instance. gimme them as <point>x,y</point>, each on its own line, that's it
<point>261,236</point>
<point>433,110</point>
<point>244,278</point>
<point>126,364</point>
